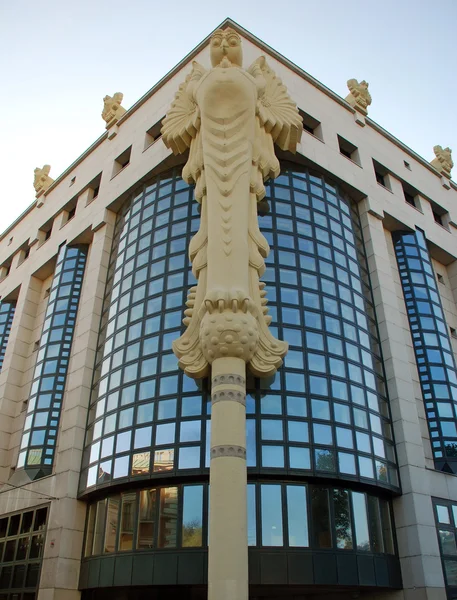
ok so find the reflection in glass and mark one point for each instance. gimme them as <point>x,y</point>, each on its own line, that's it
<point>342,513</point>
<point>168,517</point>
<point>325,460</point>
<point>447,539</point>
<point>127,521</point>
<point>192,516</point>
<point>271,509</point>
<point>140,463</point>
<point>297,515</point>
<point>386,526</point>
<point>321,517</point>
<point>450,567</point>
<point>443,514</point>
<point>146,525</point>
<point>164,460</point>
<point>90,530</point>
<point>99,527</point>
<point>36,547</point>
<point>273,456</point>
<point>111,524</point>
<point>375,525</point>
<point>361,521</point>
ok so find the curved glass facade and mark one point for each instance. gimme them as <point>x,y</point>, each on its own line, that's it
<point>432,346</point>
<point>291,515</point>
<point>39,437</point>
<point>325,413</point>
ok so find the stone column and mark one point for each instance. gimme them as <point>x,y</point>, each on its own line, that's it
<point>228,543</point>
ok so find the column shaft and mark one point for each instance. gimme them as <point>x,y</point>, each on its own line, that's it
<point>228,546</point>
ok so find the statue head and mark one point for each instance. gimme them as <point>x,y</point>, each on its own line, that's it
<point>226,43</point>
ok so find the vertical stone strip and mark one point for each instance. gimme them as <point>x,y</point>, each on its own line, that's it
<point>228,543</point>
<point>413,511</point>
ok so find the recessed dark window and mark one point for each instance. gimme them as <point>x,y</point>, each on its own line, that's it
<point>348,150</point>
<point>95,192</point>
<point>407,165</point>
<point>381,174</point>
<point>440,278</point>
<point>153,134</point>
<point>439,214</point>
<point>71,213</point>
<point>411,195</point>
<point>26,253</point>
<point>72,181</point>
<point>122,161</point>
<point>453,332</point>
<point>311,125</point>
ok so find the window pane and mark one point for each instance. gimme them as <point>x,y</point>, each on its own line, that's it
<point>168,517</point>
<point>386,526</point>
<point>321,517</point>
<point>297,515</point>
<point>342,519</point>
<point>450,566</point>
<point>127,521</point>
<point>99,527</point>
<point>443,514</point>
<point>192,516</point>
<point>375,525</point>
<point>252,518</point>
<point>90,530</point>
<point>271,506</point>
<point>361,521</point>
<point>447,539</point>
<point>147,518</point>
<point>111,524</point>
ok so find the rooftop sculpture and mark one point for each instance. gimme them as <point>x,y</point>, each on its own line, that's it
<point>42,180</point>
<point>112,109</point>
<point>359,96</point>
<point>443,161</point>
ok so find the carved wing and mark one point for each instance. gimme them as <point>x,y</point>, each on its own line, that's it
<point>182,122</point>
<point>278,113</point>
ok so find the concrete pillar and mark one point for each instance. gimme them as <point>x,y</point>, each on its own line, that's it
<point>228,542</point>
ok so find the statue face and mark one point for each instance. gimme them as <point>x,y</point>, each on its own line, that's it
<point>226,44</point>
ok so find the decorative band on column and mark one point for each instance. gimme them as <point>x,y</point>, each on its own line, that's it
<point>229,396</point>
<point>228,379</point>
<point>231,451</point>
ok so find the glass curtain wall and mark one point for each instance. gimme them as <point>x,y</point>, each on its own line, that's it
<point>432,346</point>
<point>6,319</point>
<point>45,401</point>
<point>325,413</point>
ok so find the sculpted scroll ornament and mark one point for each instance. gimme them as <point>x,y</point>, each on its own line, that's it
<point>359,96</point>
<point>42,180</point>
<point>443,161</point>
<point>112,109</point>
<point>229,118</point>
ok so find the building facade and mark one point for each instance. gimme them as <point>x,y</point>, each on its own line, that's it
<point>350,446</point>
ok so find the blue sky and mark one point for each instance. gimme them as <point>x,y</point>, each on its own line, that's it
<point>58,60</point>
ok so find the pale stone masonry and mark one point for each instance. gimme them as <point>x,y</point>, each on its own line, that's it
<point>80,207</point>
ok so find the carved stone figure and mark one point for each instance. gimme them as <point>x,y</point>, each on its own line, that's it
<point>42,180</point>
<point>359,96</point>
<point>112,109</point>
<point>229,118</point>
<point>443,161</point>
